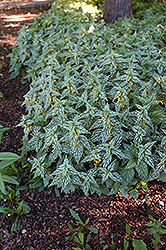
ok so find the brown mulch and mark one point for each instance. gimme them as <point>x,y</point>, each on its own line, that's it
<point>45,227</point>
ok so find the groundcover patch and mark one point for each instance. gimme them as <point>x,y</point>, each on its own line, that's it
<point>96,109</point>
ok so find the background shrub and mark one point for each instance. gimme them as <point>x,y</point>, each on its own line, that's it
<point>96,109</point>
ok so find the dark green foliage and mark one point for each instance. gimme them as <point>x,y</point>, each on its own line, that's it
<point>96,109</point>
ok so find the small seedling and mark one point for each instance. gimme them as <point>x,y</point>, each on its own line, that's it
<point>21,209</point>
<point>137,244</point>
<point>80,238</point>
<point>156,227</point>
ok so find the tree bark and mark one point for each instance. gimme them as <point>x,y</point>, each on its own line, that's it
<point>115,9</point>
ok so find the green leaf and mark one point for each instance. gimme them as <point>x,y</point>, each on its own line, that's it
<point>131,164</point>
<point>151,217</point>
<point>5,163</point>
<point>14,225</point>
<point>10,179</point>
<point>126,244</point>
<point>105,247</point>
<point>9,156</point>
<point>134,193</point>
<point>116,185</point>
<point>88,238</point>
<point>81,237</point>
<point>151,230</point>
<point>76,216</point>
<point>26,207</point>
<point>57,192</point>
<point>142,170</point>
<point>139,244</point>
<point>99,49</point>
<point>70,227</point>
<point>128,230</point>
<point>6,210</point>
<point>1,95</point>
<point>162,231</point>
<point>87,221</point>
<point>79,228</point>
<point>75,238</point>
<point>2,185</point>
<point>2,130</point>
<point>93,230</point>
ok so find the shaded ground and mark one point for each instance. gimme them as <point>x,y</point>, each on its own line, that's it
<point>45,227</point>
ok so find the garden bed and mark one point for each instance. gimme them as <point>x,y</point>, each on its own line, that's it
<point>46,225</point>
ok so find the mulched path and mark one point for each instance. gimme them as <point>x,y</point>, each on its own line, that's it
<point>46,226</point>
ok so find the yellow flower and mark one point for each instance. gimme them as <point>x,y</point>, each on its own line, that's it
<point>123,104</point>
<point>67,174</point>
<point>49,96</point>
<point>110,126</point>
<point>103,118</point>
<point>123,95</point>
<point>78,134</point>
<point>30,128</point>
<point>119,99</point>
<point>76,143</point>
<point>109,138</point>
<point>143,122</point>
<point>25,126</point>
<point>74,131</point>
<point>128,91</point>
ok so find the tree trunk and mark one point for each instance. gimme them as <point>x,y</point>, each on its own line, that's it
<point>114,9</point>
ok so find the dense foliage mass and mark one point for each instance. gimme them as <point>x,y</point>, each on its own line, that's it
<point>96,109</point>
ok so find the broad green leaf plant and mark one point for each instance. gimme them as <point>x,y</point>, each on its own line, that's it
<point>96,109</point>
